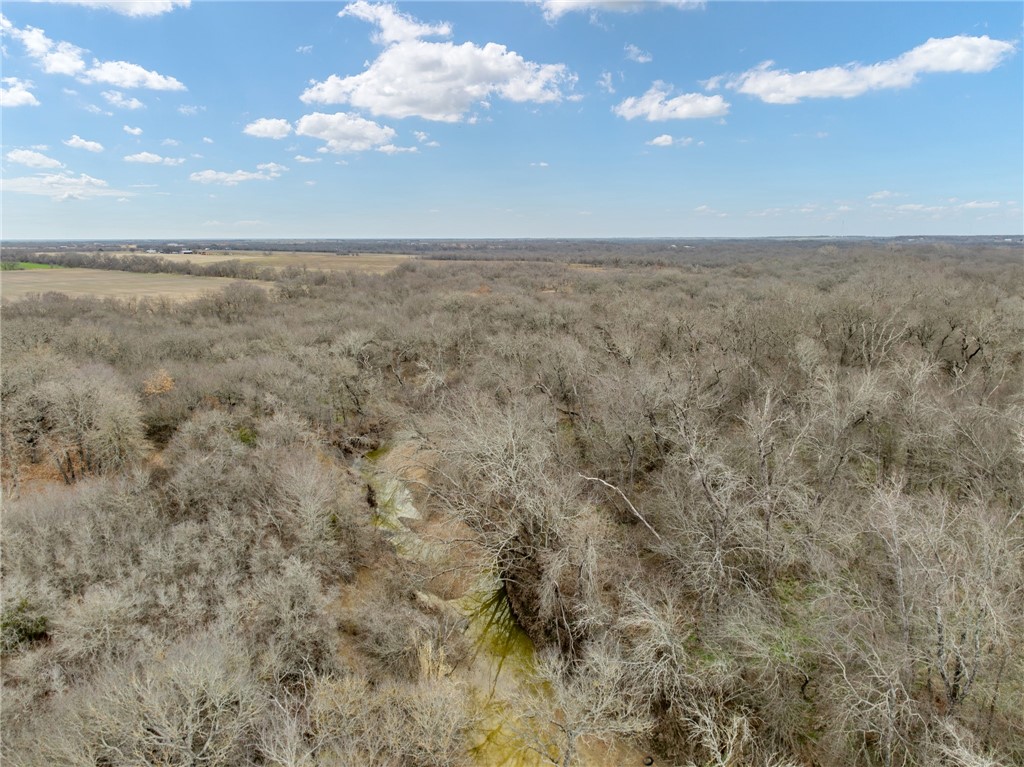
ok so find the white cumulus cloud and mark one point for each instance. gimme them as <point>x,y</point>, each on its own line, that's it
<point>153,159</point>
<point>77,142</point>
<point>64,58</point>
<point>124,74</point>
<point>434,80</point>
<point>53,57</point>
<point>344,131</point>
<point>266,127</point>
<point>961,53</point>
<point>17,93</point>
<point>32,159</point>
<point>655,104</point>
<point>393,26</point>
<point>133,131</point>
<point>61,58</point>
<point>556,9</point>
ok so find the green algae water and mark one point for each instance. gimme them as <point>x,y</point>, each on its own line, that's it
<point>503,662</point>
<point>506,660</point>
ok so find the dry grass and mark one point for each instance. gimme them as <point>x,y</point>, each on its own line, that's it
<point>369,263</point>
<point>105,284</point>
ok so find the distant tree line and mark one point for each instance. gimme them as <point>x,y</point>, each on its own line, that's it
<point>614,252</point>
<point>154,264</point>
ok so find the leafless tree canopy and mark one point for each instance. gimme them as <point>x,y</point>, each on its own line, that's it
<point>761,512</point>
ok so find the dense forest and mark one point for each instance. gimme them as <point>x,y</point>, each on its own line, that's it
<point>764,512</point>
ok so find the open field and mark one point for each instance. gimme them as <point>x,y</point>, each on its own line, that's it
<point>371,263</point>
<point>367,263</point>
<point>104,284</point>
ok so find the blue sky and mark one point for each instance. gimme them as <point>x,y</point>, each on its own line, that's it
<point>548,118</point>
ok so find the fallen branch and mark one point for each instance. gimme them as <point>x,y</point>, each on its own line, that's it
<point>632,508</point>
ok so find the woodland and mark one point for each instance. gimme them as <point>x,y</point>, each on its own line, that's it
<point>766,511</point>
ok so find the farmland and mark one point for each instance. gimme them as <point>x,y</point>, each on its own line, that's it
<point>366,263</point>
<point>105,284</point>
<point>30,278</point>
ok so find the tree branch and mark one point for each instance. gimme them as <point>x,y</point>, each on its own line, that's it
<point>632,508</point>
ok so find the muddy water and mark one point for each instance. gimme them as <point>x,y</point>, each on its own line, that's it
<point>502,663</point>
<point>503,672</point>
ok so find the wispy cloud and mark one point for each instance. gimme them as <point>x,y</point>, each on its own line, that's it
<point>149,158</point>
<point>32,159</point>
<point>119,100</point>
<point>556,9</point>
<point>666,140</point>
<point>392,149</point>
<point>656,104</point>
<point>264,172</point>
<point>961,53</point>
<point>707,210</point>
<point>425,139</point>
<point>60,186</point>
<point>633,53</point>
<point>130,7</point>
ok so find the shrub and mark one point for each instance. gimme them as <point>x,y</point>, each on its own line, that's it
<point>20,624</point>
